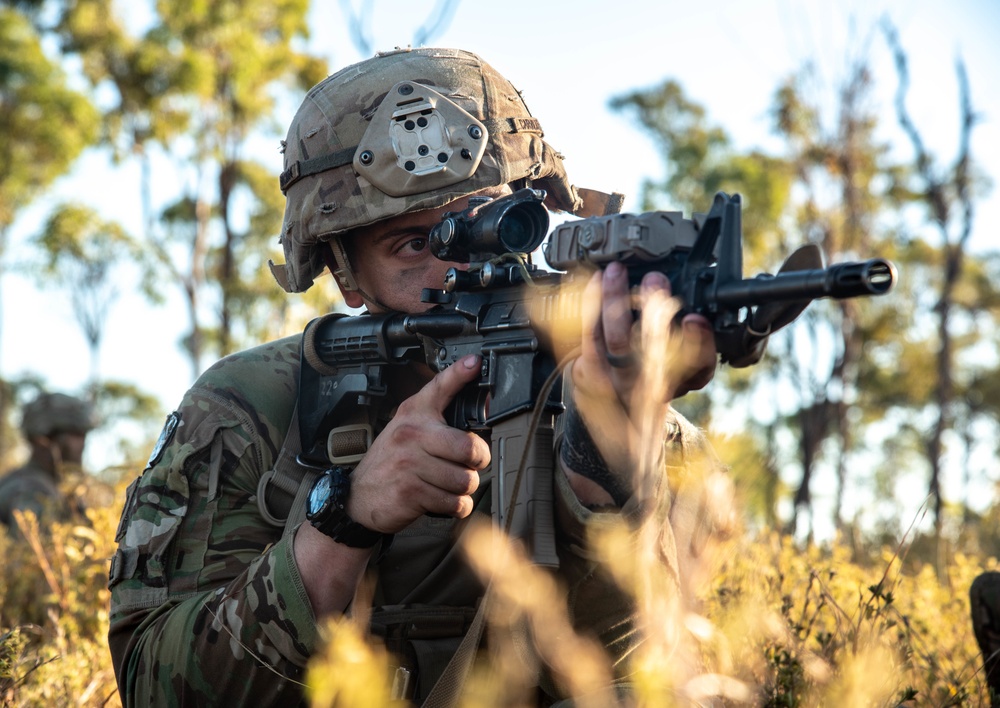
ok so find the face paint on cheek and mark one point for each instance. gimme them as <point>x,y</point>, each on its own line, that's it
<point>427,277</point>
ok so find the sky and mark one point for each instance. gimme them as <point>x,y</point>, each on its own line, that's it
<point>568,59</point>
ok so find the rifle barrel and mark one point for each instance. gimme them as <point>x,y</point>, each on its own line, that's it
<point>842,280</point>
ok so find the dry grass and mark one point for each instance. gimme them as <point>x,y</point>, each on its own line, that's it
<point>779,624</point>
<point>54,614</point>
<point>728,617</point>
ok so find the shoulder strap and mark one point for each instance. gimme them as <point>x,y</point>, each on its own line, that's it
<point>282,491</point>
<point>445,692</point>
<point>279,487</point>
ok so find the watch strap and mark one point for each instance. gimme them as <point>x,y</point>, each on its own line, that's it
<point>334,521</point>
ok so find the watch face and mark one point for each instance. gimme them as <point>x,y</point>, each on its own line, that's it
<point>318,495</point>
<point>326,510</point>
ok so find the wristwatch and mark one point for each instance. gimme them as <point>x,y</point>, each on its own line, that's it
<point>326,509</point>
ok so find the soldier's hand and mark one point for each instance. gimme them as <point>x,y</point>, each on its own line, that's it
<point>419,463</point>
<point>635,358</point>
<point>611,360</point>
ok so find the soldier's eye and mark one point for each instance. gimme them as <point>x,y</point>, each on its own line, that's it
<point>415,245</point>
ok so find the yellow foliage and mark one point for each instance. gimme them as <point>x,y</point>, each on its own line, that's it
<point>349,672</point>
<point>779,624</point>
<point>54,612</point>
<point>812,627</point>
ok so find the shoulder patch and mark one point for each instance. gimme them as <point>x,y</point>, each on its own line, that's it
<point>166,435</point>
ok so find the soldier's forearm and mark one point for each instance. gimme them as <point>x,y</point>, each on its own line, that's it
<point>589,492</point>
<point>330,571</point>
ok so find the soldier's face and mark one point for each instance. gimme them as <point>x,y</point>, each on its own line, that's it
<point>392,262</point>
<point>70,447</point>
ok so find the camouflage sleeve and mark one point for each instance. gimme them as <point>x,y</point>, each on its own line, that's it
<point>206,601</point>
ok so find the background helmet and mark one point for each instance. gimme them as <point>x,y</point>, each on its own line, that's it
<point>56,412</point>
<point>404,131</point>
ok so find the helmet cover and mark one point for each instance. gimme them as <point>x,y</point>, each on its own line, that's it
<point>405,131</point>
<point>52,413</point>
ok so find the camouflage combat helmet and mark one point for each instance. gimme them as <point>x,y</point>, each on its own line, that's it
<point>407,130</point>
<point>56,412</point>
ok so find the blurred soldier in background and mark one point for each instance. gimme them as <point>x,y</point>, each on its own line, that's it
<point>55,426</point>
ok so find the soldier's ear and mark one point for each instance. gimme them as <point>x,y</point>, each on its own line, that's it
<point>352,298</point>
<point>339,264</point>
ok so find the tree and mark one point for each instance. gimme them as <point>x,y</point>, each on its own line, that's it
<point>239,51</point>
<point>700,161</point>
<point>201,82</point>
<point>948,197</point>
<point>841,174</point>
<point>845,364</point>
<point>44,126</point>
<point>84,254</point>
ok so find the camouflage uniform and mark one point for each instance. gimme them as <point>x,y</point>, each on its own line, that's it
<point>197,566</point>
<point>207,602</point>
<point>31,488</point>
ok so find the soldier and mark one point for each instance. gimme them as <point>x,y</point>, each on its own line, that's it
<point>55,426</point>
<point>216,596</point>
<point>984,604</point>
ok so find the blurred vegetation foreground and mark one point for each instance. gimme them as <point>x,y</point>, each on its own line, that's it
<point>783,624</point>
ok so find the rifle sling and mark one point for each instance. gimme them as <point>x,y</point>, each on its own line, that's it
<point>279,487</point>
<point>446,689</point>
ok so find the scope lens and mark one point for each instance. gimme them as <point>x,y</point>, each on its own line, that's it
<point>522,228</point>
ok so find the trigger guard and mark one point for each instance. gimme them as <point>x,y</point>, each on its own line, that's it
<point>469,409</point>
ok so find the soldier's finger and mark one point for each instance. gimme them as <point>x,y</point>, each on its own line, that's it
<point>653,285</point>
<point>443,489</point>
<point>440,503</point>
<point>439,392</point>
<point>592,342</point>
<point>616,311</point>
<point>458,447</point>
<point>698,355</point>
<point>453,479</point>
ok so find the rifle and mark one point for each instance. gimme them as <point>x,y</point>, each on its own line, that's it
<point>501,308</point>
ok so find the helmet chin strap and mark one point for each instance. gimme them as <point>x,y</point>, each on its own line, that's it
<point>340,266</point>
<point>381,305</point>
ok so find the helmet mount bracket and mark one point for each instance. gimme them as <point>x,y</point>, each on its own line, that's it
<point>419,140</point>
